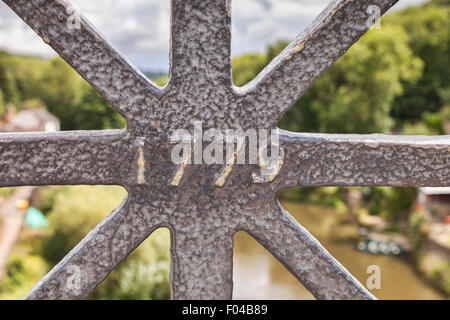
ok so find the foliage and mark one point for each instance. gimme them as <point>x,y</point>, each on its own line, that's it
<point>328,196</point>
<point>428,27</point>
<point>391,203</point>
<point>2,102</point>
<point>391,78</point>
<point>6,191</point>
<point>59,91</point>
<point>74,211</point>
<point>7,84</point>
<point>246,67</point>
<point>26,80</point>
<point>432,123</point>
<point>433,265</point>
<point>145,274</point>
<point>436,122</point>
<point>23,271</point>
<point>385,80</point>
<point>161,80</point>
<point>93,112</point>
<point>360,87</point>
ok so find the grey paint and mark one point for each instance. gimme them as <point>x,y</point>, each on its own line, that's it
<point>201,216</point>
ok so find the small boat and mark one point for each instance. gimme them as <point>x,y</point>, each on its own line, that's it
<point>380,247</point>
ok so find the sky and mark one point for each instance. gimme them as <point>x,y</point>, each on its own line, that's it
<point>139,29</point>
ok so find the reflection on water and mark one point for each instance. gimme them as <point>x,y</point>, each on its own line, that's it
<point>257,275</point>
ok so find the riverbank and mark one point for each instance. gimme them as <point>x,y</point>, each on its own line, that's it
<point>430,254</point>
<point>258,275</point>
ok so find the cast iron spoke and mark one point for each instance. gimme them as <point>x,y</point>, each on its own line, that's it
<point>91,261</point>
<point>302,254</point>
<point>202,266</point>
<point>364,160</point>
<point>313,51</point>
<point>195,26</point>
<point>75,157</point>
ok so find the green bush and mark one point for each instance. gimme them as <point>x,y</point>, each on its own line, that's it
<point>23,271</point>
<point>388,202</point>
<point>356,94</point>
<point>246,67</point>
<point>74,211</point>
<point>145,274</point>
<point>2,103</point>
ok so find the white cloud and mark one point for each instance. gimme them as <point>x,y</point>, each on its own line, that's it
<point>248,9</point>
<point>140,28</point>
<point>16,36</point>
<point>256,26</point>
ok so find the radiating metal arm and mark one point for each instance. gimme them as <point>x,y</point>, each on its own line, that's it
<point>333,32</point>
<point>62,27</point>
<point>303,255</point>
<point>364,160</point>
<point>200,43</point>
<point>202,265</point>
<point>90,262</point>
<point>76,157</point>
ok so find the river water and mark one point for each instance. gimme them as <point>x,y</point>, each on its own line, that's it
<point>258,275</point>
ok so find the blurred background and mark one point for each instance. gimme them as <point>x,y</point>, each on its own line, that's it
<point>395,80</point>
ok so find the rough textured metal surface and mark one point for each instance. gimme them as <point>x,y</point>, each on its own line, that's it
<point>302,254</point>
<point>364,160</point>
<point>203,217</point>
<point>90,262</point>
<point>77,157</point>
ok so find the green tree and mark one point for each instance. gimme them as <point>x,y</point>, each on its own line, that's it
<point>59,87</point>
<point>28,73</point>
<point>428,27</point>
<point>7,83</point>
<point>144,275</point>
<point>246,67</point>
<point>93,112</point>
<point>391,203</point>
<point>2,103</point>
<point>356,94</point>
<point>76,103</point>
<point>74,211</point>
